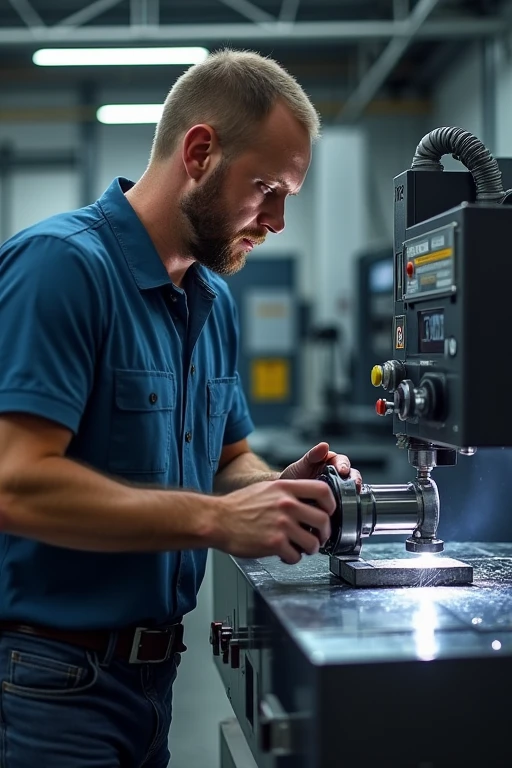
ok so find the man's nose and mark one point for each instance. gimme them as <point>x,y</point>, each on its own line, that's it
<point>273,218</point>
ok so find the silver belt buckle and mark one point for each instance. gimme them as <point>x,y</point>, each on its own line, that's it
<point>134,653</point>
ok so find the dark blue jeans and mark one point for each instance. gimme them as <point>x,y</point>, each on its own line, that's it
<point>64,707</point>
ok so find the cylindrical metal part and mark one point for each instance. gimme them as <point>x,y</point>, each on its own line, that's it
<point>389,509</point>
<point>411,508</point>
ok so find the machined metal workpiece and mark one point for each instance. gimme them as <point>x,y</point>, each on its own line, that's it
<point>410,572</point>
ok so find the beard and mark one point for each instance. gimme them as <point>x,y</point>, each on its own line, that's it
<point>212,241</point>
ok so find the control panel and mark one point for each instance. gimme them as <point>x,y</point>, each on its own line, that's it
<point>447,380</point>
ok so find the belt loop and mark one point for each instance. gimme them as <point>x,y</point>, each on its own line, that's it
<point>111,647</point>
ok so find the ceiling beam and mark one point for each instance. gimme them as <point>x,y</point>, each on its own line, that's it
<point>401,9</point>
<point>308,32</point>
<point>289,10</point>
<point>249,11</point>
<point>27,13</point>
<point>384,65</point>
<point>86,14</point>
<point>144,12</point>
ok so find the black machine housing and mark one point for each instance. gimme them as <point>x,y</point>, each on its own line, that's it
<point>452,309</point>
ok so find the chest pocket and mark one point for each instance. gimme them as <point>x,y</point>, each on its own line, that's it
<point>141,421</point>
<point>220,399</point>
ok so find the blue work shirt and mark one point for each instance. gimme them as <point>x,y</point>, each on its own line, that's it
<point>96,337</point>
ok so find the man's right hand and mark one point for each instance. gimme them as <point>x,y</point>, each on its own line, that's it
<point>270,518</point>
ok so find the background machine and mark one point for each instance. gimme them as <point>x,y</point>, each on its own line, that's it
<point>323,674</point>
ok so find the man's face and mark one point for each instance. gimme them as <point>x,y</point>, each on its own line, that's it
<point>235,207</point>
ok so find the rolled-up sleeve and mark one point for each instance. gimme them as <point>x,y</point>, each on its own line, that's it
<point>51,310</point>
<point>239,423</point>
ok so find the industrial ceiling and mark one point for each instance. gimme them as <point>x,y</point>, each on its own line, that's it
<point>351,55</point>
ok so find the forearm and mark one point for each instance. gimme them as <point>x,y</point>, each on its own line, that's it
<point>244,470</point>
<point>63,503</point>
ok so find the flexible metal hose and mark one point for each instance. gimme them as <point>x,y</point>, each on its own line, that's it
<point>471,152</point>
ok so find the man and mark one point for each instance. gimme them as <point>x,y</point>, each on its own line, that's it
<point>121,410</point>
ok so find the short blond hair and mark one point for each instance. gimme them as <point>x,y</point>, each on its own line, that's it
<point>233,91</point>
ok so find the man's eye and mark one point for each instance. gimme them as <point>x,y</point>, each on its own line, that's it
<point>266,189</point>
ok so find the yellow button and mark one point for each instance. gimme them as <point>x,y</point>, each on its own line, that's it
<point>377,375</point>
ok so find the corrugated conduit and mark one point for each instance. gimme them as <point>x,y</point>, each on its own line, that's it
<point>471,152</point>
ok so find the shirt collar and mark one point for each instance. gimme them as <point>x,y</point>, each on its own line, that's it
<point>141,255</point>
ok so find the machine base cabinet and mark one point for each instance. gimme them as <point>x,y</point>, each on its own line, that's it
<point>321,674</point>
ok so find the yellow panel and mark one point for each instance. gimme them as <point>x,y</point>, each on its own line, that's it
<point>270,379</point>
<point>428,258</point>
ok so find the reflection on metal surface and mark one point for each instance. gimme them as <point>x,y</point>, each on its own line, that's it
<point>425,625</point>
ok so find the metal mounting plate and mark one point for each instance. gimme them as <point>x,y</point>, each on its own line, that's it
<point>410,572</point>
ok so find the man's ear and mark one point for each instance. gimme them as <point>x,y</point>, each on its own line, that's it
<point>201,150</point>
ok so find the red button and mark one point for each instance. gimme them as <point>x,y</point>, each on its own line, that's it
<point>381,407</point>
<point>410,268</point>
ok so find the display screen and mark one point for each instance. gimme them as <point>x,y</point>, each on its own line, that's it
<point>431,330</point>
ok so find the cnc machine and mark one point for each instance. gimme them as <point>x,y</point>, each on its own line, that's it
<point>446,397</point>
<point>332,662</point>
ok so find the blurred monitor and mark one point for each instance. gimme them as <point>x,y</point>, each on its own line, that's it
<point>380,276</point>
<point>375,309</point>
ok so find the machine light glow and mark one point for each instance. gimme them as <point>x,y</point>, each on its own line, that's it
<point>426,559</point>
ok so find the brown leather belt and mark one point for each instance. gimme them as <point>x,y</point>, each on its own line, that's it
<point>137,645</point>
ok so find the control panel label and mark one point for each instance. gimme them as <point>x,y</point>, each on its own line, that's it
<point>429,264</point>
<point>399,332</point>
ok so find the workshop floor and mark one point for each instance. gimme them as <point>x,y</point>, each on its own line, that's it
<point>200,701</point>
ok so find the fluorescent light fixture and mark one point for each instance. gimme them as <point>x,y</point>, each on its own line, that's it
<point>103,57</point>
<point>129,114</point>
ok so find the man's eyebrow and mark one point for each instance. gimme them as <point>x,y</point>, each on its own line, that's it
<point>284,184</point>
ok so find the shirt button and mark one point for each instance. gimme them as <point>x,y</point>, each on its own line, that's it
<point>192,370</point>
<point>174,298</point>
<point>153,398</point>
<point>188,437</point>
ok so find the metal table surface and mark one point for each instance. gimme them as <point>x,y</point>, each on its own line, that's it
<point>334,623</point>
<point>328,675</point>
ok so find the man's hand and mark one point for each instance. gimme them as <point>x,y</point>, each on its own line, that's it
<point>311,465</point>
<point>275,518</point>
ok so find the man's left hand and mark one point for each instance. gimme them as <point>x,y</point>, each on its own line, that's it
<point>311,465</point>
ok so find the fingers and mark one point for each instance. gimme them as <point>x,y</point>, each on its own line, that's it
<point>319,453</point>
<point>312,490</point>
<point>305,541</point>
<point>314,518</point>
<point>310,464</point>
<point>298,513</point>
<point>289,554</point>
<point>299,543</point>
<point>341,463</point>
<point>355,475</point>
